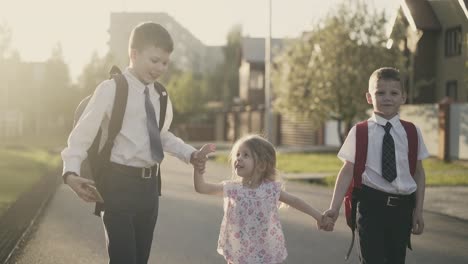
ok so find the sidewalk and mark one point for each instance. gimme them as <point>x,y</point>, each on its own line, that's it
<point>451,201</point>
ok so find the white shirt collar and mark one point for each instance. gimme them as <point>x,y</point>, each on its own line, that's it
<point>136,82</point>
<point>395,121</point>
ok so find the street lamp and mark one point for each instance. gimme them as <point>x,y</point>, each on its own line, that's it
<point>268,114</point>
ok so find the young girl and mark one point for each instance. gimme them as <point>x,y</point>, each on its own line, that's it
<point>251,231</point>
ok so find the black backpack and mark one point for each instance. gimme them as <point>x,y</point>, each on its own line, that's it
<point>96,159</point>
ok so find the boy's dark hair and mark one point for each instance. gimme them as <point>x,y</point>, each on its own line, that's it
<point>150,34</point>
<point>386,74</point>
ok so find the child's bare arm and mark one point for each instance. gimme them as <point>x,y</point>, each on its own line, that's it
<point>420,178</point>
<point>341,187</point>
<point>342,184</point>
<point>199,181</point>
<point>300,205</point>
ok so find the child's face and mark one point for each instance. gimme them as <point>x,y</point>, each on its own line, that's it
<point>386,98</point>
<point>149,64</point>
<point>244,164</point>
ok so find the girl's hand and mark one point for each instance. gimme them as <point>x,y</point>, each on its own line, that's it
<point>198,158</point>
<point>207,149</point>
<point>326,222</point>
<point>329,218</point>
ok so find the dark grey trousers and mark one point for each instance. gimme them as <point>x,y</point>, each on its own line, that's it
<point>383,231</point>
<point>130,215</point>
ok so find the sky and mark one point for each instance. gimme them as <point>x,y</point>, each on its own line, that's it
<point>80,26</point>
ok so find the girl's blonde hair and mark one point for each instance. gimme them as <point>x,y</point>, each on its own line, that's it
<point>264,155</point>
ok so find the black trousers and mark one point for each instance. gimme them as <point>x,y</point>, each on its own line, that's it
<point>130,214</point>
<point>384,226</point>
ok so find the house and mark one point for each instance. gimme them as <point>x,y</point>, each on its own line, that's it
<point>190,54</point>
<point>252,70</point>
<point>433,35</point>
<point>248,115</point>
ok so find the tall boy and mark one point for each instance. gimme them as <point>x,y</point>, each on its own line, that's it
<point>390,202</point>
<point>129,185</point>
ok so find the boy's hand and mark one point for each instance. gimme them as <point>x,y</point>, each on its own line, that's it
<point>81,187</point>
<point>198,158</point>
<point>329,218</point>
<point>418,223</point>
<point>324,222</point>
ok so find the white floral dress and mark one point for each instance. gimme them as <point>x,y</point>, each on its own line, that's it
<point>251,231</point>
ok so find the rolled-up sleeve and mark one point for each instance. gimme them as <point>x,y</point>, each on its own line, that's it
<point>83,134</point>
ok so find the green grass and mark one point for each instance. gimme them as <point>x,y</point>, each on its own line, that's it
<point>20,168</point>
<point>438,173</point>
<point>53,140</point>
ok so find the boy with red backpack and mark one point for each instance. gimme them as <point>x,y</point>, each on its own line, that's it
<point>382,180</point>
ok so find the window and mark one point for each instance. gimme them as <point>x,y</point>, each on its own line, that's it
<point>256,80</point>
<point>451,89</point>
<point>453,41</point>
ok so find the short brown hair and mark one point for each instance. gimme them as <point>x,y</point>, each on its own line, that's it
<point>150,34</point>
<point>385,74</point>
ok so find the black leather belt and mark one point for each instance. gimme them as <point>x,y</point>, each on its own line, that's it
<point>144,173</point>
<point>383,198</point>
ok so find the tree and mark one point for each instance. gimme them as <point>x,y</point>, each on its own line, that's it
<point>230,68</point>
<point>96,71</point>
<point>185,91</point>
<point>55,90</point>
<point>324,74</point>
<point>5,39</point>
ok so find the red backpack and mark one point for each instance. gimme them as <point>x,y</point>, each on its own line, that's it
<point>350,200</point>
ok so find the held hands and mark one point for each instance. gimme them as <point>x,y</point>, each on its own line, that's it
<point>84,188</point>
<point>198,158</point>
<point>329,218</point>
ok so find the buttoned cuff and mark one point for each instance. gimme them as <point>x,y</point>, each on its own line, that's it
<point>72,165</point>
<point>188,153</point>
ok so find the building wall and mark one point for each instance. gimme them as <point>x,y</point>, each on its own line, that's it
<point>256,91</point>
<point>189,52</point>
<point>244,77</point>
<point>459,131</point>
<point>331,134</point>
<point>425,69</point>
<point>450,15</point>
<point>297,133</point>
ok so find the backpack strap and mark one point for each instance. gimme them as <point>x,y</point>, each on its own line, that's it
<point>351,197</point>
<point>120,104</point>
<point>360,158</point>
<point>413,142</point>
<point>115,123</point>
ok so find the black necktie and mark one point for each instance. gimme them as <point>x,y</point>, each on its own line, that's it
<point>155,138</point>
<point>388,155</point>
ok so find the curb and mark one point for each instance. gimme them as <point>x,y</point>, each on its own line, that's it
<point>21,216</point>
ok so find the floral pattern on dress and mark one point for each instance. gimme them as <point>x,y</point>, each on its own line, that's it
<point>251,231</point>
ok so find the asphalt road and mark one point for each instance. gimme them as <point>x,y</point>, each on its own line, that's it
<point>188,225</point>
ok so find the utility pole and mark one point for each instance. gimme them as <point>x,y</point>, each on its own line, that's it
<point>268,114</point>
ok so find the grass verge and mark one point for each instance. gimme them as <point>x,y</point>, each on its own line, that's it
<point>438,173</point>
<point>20,168</point>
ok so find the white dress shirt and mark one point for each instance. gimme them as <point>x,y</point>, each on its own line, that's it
<point>132,145</point>
<point>372,176</point>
